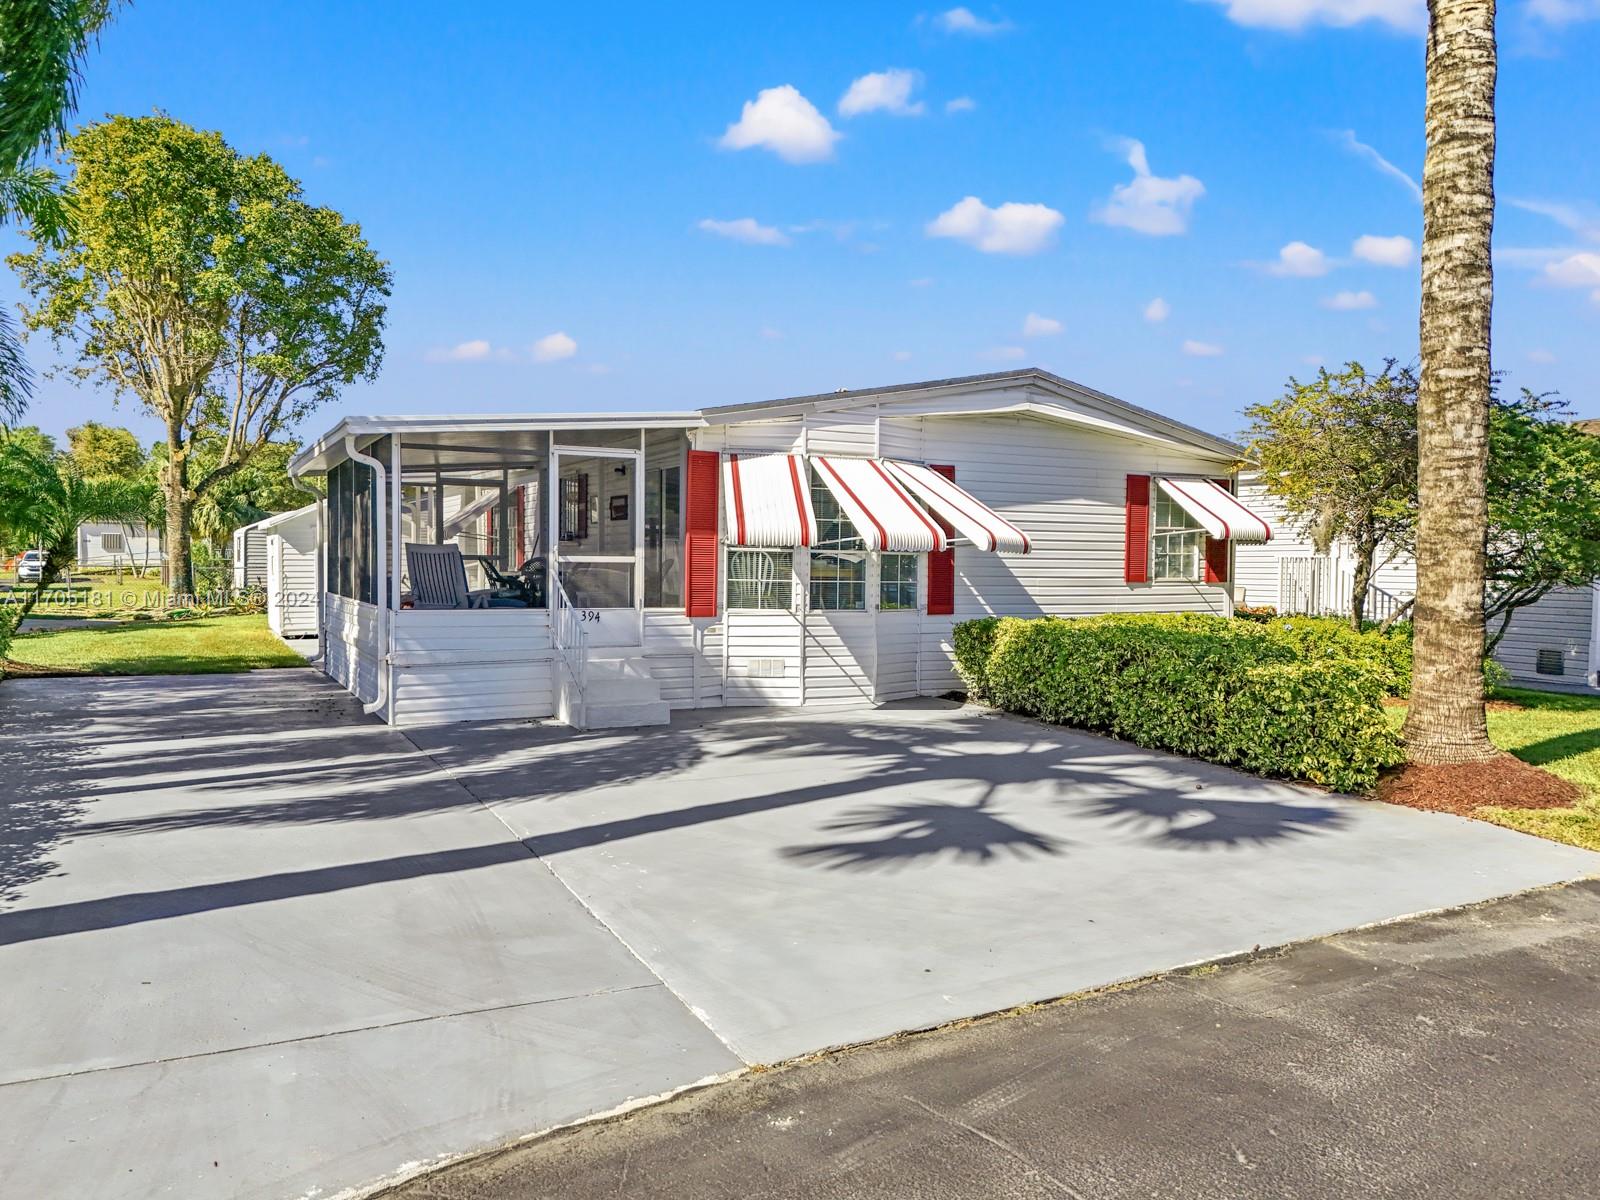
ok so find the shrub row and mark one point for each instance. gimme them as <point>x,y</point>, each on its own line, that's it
<point>1275,701</point>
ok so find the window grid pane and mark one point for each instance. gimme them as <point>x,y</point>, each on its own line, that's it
<point>1177,542</point>
<point>760,579</point>
<point>839,581</point>
<point>833,527</point>
<point>898,582</point>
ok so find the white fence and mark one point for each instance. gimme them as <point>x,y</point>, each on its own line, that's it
<point>1317,586</point>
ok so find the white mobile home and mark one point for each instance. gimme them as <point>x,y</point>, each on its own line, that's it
<point>1553,643</point>
<point>815,550</point>
<point>293,576</point>
<point>130,545</point>
<point>249,553</point>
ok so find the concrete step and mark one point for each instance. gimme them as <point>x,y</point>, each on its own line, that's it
<point>625,715</point>
<point>621,689</point>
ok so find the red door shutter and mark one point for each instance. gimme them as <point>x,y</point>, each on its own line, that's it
<point>700,549</point>
<point>1136,540</point>
<point>1217,548</point>
<point>942,566</point>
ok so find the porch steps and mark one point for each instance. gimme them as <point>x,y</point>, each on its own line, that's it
<point>620,693</point>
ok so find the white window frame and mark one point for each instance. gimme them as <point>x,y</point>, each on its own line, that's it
<point>730,553</point>
<point>1190,531</point>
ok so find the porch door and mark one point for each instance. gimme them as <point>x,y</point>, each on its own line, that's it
<point>596,527</point>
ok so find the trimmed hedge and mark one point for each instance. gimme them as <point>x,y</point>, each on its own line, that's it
<point>1274,701</point>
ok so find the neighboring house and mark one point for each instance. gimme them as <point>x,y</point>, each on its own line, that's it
<point>1553,643</point>
<point>294,600</point>
<point>249,555</point>
<point>130,545</point>
<point>815,550</point>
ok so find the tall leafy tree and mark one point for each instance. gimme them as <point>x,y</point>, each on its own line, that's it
<point>45,498</point>
<point>42,45</point>
<point>201,282</point>
<point>1340,452</point>
<point>1446,720</point>
<point>105,451</point>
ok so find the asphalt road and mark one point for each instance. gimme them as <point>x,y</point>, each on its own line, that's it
<point>1456,1055</point>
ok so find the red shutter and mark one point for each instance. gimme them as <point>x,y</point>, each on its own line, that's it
<point>942,566</point>
<point>1217,549</point>
<point>1136,544</point>
<point>700,549</point>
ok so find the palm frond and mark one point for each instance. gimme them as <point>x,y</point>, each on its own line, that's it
<point>42,45</point>
<point>16,379</point>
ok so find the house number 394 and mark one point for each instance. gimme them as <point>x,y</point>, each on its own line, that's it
<point>591,614</point>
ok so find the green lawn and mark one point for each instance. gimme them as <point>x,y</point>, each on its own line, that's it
<point>96,595</point>
<point>1560,733</point>
<point>204,646</point>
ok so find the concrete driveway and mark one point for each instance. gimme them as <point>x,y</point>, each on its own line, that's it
<point>257,945</point>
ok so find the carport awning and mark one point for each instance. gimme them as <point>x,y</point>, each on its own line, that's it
<point>1215,510</point>
<point>894,506</point>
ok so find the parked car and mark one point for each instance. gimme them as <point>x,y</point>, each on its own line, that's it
<point>30,566</point>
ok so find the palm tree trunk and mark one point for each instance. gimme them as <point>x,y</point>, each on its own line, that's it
<point>1446,720</point>
<point>180,507</point>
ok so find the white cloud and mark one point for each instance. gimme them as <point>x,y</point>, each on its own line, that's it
<point>554,347</point>
<point>1384,251</point>
<point>901,356</point>
<point>780,119</point>
<point>1582,222</point>
<point>1149,203</point>
<point>1576,270</point>
<point>1297,260</point>
<point>1541,356</point>
<point>1009,229</point>
<point>1347,139</point>
<point>745,229</point>
<point>1196,349</point>
<point>769,334</point>
<point>964,21</point>
<point>1560,13</point>
<point>1033,325</point>
<point>883,91</point>
<point>1350,301</point>
<point>1405,16</point>
<point>1005,353</point>
<point>923,282</point>
<point>960,104</point>
<point>476,350</point>
<point>1157,311</point>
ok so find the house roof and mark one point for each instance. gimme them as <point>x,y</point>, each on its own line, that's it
<point>1028,390</point>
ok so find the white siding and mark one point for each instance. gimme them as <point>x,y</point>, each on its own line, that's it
<point>899,637</point>
<point>763,659</point>
<point>141,545</point>
<point>684,655</point>
<point>350,652</point>
<point>840,657</point>
<point>1563,622</point>
<point>292,577</point>
<point>471,665</point>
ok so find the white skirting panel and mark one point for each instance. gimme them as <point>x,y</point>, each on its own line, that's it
<point>350,653</point>
<point>471,665</point>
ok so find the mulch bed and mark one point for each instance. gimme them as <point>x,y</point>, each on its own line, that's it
<point>1460,788</point>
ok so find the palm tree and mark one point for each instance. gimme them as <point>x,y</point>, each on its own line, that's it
<point>42,44</point>
<point>1446,720</point>
<point>44,498</point>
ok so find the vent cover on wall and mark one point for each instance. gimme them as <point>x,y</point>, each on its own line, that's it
<point>766,668</point>
<point>1550,662</point>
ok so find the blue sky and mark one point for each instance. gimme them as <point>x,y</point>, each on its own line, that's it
<point>664,206</point>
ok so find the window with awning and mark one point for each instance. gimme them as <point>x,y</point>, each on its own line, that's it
<point>1214,509</point>
<point>893,506</point>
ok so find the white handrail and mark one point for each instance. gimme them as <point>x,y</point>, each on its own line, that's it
<point>566,632</point>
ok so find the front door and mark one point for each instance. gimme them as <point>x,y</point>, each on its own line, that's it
<point>596,528</point>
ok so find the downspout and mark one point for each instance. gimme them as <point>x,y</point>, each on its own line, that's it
<point>322,558</point>
<point>380,541</point>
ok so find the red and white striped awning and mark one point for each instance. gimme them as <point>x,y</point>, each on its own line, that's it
<point>768,500</point>
<point>1216,510</point>
<point>883,512</point>
<point>968,515</point>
